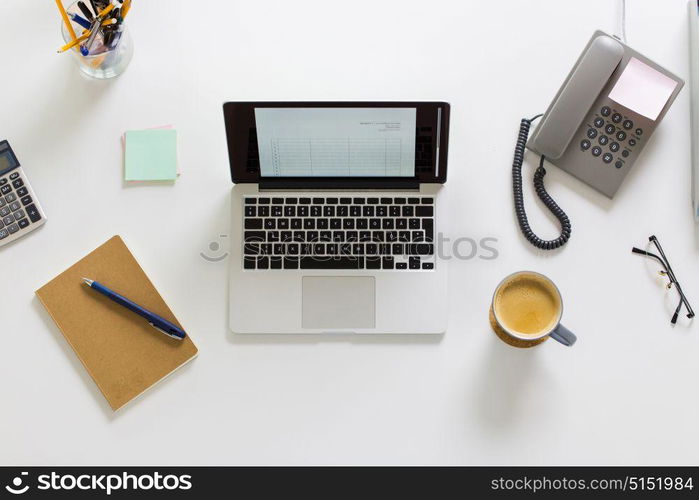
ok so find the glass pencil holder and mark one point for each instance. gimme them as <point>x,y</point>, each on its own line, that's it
<point>105,60</point>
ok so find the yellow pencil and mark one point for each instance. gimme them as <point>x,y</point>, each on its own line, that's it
<point>64,15</point>
<point>125,8</point>
<point>106,11</point>
<point>75,42</point>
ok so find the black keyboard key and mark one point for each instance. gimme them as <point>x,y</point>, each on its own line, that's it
<point>254,236</point>
<point>291,263</point>
<point>273,236</point>
<point>401,265</point>
<point>250,201</point>
<point>414,223</point>
<point>388,224</point>
<point>263,201</point>
<point>263,211</point>
<point>269,224</point>
<point>348,223</point>
<point>332,248</point>
<point>362,224</point>
<point>342,211</point>
<point>428,227</point>
<point>375,223</point>
<point>328,211</point>
<point>249,223</point>
<point>3,182</point>
<point>428,265</point>
<point>311,236</point>
<point>414,201</point>
<point>292,249</point>
<point>309,223</point>
<point>388,262</point>
<point>428,201</point>
<point>335,223</point>
<point>399,201</point>
<point>319,249</point>
<point>392,236</point>
<point>352,235</point>
<point>368,211</point>
<point>386,201</point>
<point>420,249</point>
<point>381,211</point>
<point>338,236</point>
<point>325,236</point>
<point>397,249</point>
<point>277,201</point>
<point>275,263</point>
<point>303,211</point>
<point>23,223</point>
<point>292,201</point>
<point>22,192</point>
<point>403,223</point>
<point>249,262</point>
<point>372,201</point>
<point>345,201</point>
<point>358,249</point>
<point>331,201</point>
<point>18,183</point>
<point>299,236</point>
<point>290,211</point>
<point>319,201</point>
<point>394,211</point>
<point>364,235</point>
<point>414,262</point>
<point>355,211</point>
<point>408,211</point>
<point>283,223</point>
<point>277,210</point>
<point>322,224</point>
<point>250,211</point>
<point>263,263</point>
<point>285,236</point>
<point>251,248</point>
<point>316,211</point>
<point>342,262</point>
<point>373,263</point>
<point>296,224</point>
<point>5,189</point>
<point>305,201</point>
<point>360,201</point>
<point>424,211</point>
<point>266,249</point>
<point>279,249</point>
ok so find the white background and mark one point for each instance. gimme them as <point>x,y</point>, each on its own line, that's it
<point>625,394</point>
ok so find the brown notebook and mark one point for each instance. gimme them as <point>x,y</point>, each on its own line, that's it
<point>123,354</point>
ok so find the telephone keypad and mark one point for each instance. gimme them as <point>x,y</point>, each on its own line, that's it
<point>611,134</point>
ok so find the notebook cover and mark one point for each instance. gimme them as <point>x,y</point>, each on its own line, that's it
<point>123,354</point>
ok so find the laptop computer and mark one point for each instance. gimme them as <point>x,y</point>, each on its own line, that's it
<point>336,208</point>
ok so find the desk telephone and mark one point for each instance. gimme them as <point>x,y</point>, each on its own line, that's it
<point>596,126</point>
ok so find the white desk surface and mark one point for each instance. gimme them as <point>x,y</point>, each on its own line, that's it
<point>625,394</point>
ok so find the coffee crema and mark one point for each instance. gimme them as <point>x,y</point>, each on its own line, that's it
<point>528,304</point>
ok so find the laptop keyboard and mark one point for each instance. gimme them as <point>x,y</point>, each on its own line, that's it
<point>383,233</point>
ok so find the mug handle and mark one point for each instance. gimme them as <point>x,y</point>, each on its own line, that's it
<point>563,335</point>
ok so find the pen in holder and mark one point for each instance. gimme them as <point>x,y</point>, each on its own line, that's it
<point>102,53</point>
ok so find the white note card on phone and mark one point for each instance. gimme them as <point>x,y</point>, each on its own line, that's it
<point>643,89</point>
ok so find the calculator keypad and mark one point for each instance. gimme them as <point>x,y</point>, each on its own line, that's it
<point>619,136</point>
<point>18,211</point>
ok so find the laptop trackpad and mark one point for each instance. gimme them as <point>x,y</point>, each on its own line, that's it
<point>339,302</point>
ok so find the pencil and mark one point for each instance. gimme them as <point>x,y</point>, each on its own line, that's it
<point>126,6</point>
<point>105,11</point>
<point>64,15</point>
<point>75,42</point>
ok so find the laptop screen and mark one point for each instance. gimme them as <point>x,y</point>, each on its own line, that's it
<point>336,142</point>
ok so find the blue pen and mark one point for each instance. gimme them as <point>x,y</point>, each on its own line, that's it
<point>156,321</point>
<point>79,20</point>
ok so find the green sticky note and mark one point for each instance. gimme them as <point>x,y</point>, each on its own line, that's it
<point>150,155</point>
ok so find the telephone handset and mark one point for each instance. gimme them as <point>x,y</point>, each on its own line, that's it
<point>597,124</point>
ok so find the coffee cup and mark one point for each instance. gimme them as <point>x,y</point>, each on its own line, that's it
<point>526,310</point>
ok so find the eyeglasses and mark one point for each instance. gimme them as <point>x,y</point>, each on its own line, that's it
<point>667,272</point>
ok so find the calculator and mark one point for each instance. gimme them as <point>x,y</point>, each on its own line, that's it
<point>20,212</point>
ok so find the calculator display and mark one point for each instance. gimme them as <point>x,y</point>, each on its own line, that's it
<point>7,161</point>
